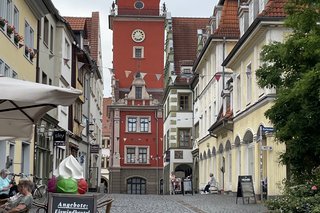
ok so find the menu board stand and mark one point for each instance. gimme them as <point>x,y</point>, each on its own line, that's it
<point>245,188</point>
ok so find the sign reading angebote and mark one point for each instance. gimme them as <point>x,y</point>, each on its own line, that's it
<point>71,203</point>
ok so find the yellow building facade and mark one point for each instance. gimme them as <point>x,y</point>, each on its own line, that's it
<point>242,140</point>
<point>18,52</point>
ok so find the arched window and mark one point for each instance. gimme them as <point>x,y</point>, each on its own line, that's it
<point>136,185</point>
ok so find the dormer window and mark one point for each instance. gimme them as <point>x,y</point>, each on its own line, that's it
<point>243,19</point>
<point>253,10</point>
<point>262,4</point>
<point>218,16</point>
<point>138,92</point>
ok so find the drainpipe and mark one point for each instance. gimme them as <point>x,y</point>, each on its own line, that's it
<point>223,68</point>
<point>157,150</point>
<point>36,136</point>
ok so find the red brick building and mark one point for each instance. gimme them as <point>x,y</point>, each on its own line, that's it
<point>136,113</point>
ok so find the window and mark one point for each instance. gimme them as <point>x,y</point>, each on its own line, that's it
<point>9,16</point>
<point>138,124</point>
<point>131,155</point>
<point>16,19</point>
<point>184,102</point>
<point>78,112</point>
<point>103,162</point>
<point>184,138</point>
<point>142,155</point>
<point>196,130</point>
<point>28,40</point>
<point>66,52</point>
<point>249,83</point>
<point>7,71</point>
<point>244,20</point>
<point>262,4</point>
<point>137,155</point>
<point>144,125</point>
<point>138,92</point>
<point>44,78</point>
<point>14,74</point>
<point>46,31</point>
<point>138,52</point>
<point>238,92</point>
<point>51,39</point>
<point>136,186</point>
<point>132,124</point>
<point>168,139</point>
<point>1,67</point>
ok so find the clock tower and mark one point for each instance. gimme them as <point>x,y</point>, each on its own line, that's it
<point>137,90</point>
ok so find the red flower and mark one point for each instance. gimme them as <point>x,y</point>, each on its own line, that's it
<point>314,188</point>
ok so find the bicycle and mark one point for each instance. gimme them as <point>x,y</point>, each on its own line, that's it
<point>40,191</point>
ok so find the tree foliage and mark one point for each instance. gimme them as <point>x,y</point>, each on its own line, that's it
<point>293,69</point>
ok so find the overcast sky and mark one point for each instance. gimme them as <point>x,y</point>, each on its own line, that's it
<point>84,8</point>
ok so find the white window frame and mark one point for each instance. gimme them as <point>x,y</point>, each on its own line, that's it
<point>16,19</point>
<point>249,82</point>
<point>46,31</point>
<point>238,79</point>
<point>138,123</point>
<point>9,13</point>
<point>28,38</point>
<point>2,64</point>
<point>135,48</point>
<point>136,159</point>
<point>146,122</point>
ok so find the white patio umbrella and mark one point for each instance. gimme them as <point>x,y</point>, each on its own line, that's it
<point>23,103</point>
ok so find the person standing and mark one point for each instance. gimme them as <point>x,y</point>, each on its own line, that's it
<point>173,181</point>
<point>4,184</point>
<point>212,182</point>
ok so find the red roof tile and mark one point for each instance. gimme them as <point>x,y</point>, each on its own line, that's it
<point>90,25</point>
<point>185,39</point>
<point>229,22</point>
<point>274,8</point>
<point>76,23</point>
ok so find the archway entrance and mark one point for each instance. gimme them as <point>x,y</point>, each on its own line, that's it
<point>136,185</point>
<point>183,170</point>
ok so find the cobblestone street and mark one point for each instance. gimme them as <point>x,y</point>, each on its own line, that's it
<point>181,204</point>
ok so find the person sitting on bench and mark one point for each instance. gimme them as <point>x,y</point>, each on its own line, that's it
<point>22,201</point>
<point>212,182</point>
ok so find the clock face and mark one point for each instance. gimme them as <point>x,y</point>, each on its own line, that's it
<point>138,35</point>
<point>138,5</point>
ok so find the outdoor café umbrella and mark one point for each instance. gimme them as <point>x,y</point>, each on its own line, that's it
<point>23,103</point>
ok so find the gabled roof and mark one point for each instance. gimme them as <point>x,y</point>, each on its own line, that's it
<point>274,8</point>
<point>77,23</point>
<point>185,38</point>
<point>274,11</point>
<point>229,22</point>
<point>228,26</point>
<point>90,26</point>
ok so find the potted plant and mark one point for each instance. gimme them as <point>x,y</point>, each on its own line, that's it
<point>10,29</point>
<point>17,38</point>
<point>2,23</point>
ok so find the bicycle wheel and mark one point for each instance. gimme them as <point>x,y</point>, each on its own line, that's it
<point>40,193</point>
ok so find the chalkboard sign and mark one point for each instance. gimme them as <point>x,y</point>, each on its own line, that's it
<point>187,186</point>
<point>75,203</point>
<point>245,188</point>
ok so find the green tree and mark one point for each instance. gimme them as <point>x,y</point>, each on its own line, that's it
<point>293,69</point>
